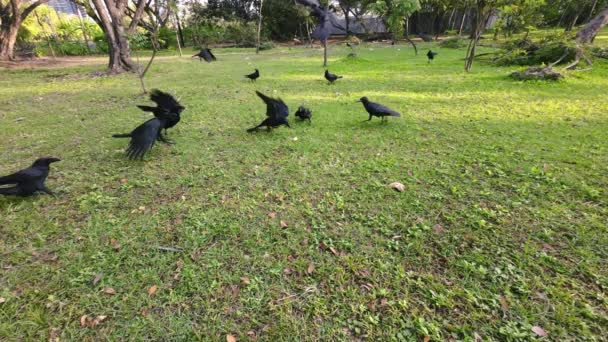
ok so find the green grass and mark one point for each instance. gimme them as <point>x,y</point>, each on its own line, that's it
<point>502,227</point>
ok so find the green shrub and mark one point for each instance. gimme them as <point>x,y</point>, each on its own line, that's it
<point>454,43</point>
<point>267,45</point>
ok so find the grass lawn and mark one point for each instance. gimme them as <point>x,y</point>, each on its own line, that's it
<point>502,227</point>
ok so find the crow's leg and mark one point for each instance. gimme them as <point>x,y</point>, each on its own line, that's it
<point>163,139</point>
<point>47,191</point>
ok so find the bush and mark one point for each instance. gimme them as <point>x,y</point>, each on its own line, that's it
<point>527,52</point>
<point>454,43</point>
<point>267,45</point>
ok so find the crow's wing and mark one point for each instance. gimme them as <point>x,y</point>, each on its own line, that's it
<point>29,174</point>
<point>211,55</point>
<point>164,100</point>
<point>378,108</point>
<point>275,108</point>
<point>143,138</point>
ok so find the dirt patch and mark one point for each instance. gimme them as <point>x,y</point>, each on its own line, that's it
<point>52,63</point>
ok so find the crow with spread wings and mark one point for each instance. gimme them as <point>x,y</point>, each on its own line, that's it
<point>166,106</point>
<point>276,112</point>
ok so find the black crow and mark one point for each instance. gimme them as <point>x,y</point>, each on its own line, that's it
<point>304,113</point>
<point>254,76</point>
<point>376,109</point>
<point>145,136</point>
<point>276,112</point>
<point>166,106</point>
<point>205,54</point>
<point>431,55</point>
<point>29,181</point>
<point>331,77</point>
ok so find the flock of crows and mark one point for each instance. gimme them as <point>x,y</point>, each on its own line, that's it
<point>167,114</point>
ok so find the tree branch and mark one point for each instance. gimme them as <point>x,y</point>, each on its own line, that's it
<point>32,7</point>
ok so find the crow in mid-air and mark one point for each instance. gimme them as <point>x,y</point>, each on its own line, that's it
<point>304,113</point>
<point>145,136</point>
<point>376,109</point>
<point>205,54</point>
<point>166,106</point>
<point>276,112</point>
<point>254,76</point>
<point>431,55</point>
<point>331,77</point>
<point>28,181</point>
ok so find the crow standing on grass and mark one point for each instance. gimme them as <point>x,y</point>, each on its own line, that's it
<point>253,76</point>
<point>431,55</point>
<point>205,54</point>
<point>276,112</point>
<point>376,109</point>
<point>166,107</point>
<point>331,77</point>
<point>304,113</point>
<point>145,136</point>
<point>28,181</point>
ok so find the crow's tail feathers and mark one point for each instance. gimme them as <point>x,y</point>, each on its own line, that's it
<point>126,135</point>
<point>147,108</point>
<point>8,191</point>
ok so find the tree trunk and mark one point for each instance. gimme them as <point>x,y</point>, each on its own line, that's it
<point>478,25</point>
<point>464,17</point>
<point>588,33</point>
<point>257,48</point>
<point>8,37</point>
<point>325,52</point>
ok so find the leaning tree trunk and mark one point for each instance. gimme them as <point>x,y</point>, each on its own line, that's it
<point>12,14</point>
<point>324,52</point>
<point>479,24</point>
<point>588,33</point>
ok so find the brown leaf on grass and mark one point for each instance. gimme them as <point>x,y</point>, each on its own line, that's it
<point>426,338</point>
<point>383,302</point>
<point>97,278</point>
<point>438,229</point>
<point>287,271</point>
<point>334,251</point>
<point>90,322</point>
<point>477,337</point>
<point>45,256</point>
<point>109,291</point>
<point>284,224</point>
<point>539,331</point>
<point>115,244</point>
<point>397,186</point>
<point>245,280</point>
<point>503,303</point>
<point>252,335</point>
<point>54,334</point>
<point>124,181</point>
<point>310,269</point>
<point>152,290</point>
<point>230,338</point>
<point>2,300</point>
<point>272,214</point>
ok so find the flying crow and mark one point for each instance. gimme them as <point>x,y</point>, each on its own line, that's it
<point>29,181</point>
<point>205,54</point>
<point>276,112</point>
<point>253,76</point>
<point>166,107</point>
<point>331,77</point>
<point>376,109</point>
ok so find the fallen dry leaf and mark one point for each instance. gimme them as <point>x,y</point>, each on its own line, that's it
<point>539,331</point>
<point>334,251</point>
<point>287,271</point>
<point>311,268</point>
<point>2,300</point>
<point>230,338</point>
<point>426,338</point>
<point>115,244</point>
<point>477,338</point>
<point>245,280</point>
<point>503,303</point>
<point>284,224</point>
<point>272,214</point>
<point>252,334</point>
<point>152,290</point>
<point>397,186</point>
<point>97,278</point>
<point>438,229</point>
<point>90,322</point>
<point>124,181</point>
<point>109,291</point>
